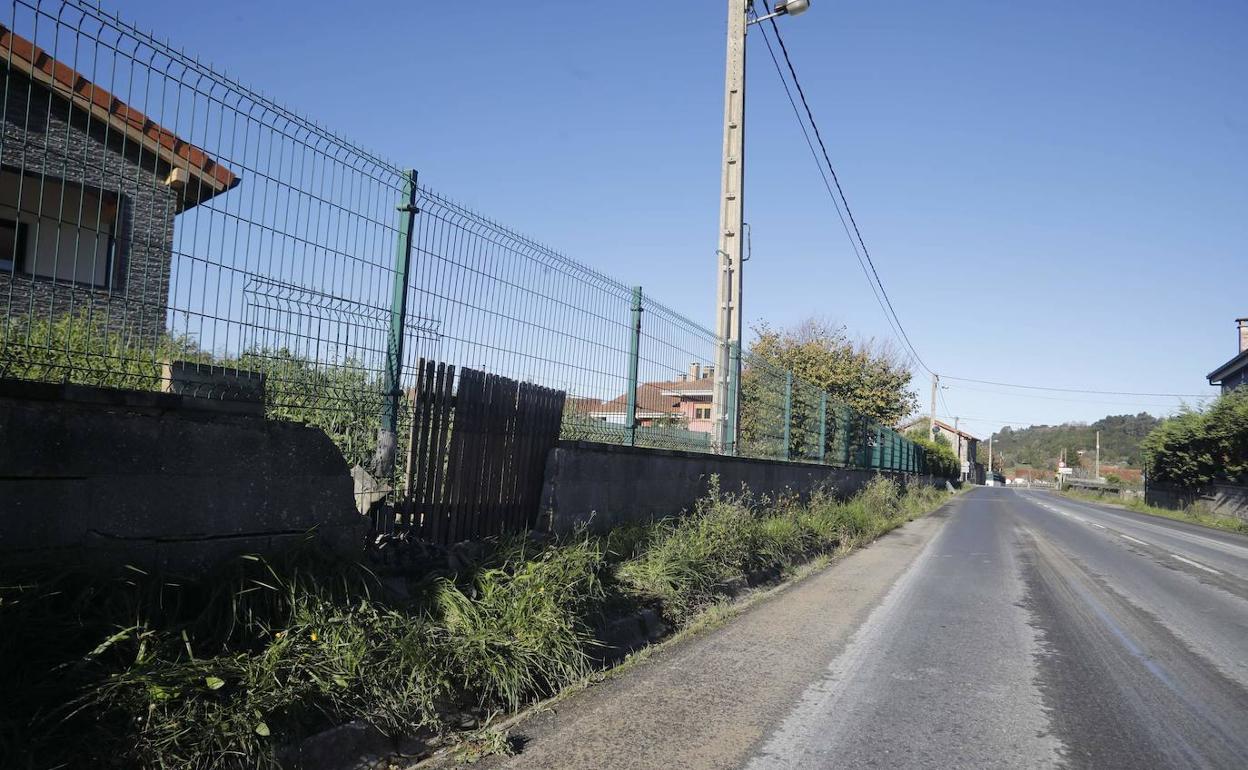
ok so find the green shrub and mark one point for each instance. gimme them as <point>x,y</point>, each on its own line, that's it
<point>82,350</point>
<point>518,629</point>
<point>1195,448</point>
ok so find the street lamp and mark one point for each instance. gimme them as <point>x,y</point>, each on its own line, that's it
<point>791,8</point>
<point>732,222</point>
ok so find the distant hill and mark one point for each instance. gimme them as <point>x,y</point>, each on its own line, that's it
<point>1041,445</point>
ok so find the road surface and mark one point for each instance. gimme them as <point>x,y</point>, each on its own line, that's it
<point>1012,629</point>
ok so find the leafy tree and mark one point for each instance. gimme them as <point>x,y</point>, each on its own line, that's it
<point>869,378</point>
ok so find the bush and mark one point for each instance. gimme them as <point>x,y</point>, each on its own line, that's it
<point>687,561</point>
<point>940,457</point>
<point>81,349</point>
<point>1195,448</point>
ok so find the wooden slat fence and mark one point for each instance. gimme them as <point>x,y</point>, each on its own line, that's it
<point>476,453</point>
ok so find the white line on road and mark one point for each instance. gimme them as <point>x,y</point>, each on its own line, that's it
<point>1196,564</point>
<point>1132,539</point>
<point>1098,526</point>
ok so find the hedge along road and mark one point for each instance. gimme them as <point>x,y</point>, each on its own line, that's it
<point>1006,629</point>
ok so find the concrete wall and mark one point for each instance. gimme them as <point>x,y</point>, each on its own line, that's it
<point>606,485</point>
<point>159,479</point>
<point>1219,499</point>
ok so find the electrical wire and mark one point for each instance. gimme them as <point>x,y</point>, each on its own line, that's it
<point>858,243</point>
<point>1086,391</point>
<point>1081,400</point>
<point>868,267</point>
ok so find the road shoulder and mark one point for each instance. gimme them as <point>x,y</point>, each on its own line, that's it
<point>706,700</point>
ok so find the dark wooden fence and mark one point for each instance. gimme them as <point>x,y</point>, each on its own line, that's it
<point>476,453</point>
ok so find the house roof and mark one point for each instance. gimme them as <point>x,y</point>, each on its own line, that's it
<point>207,177</point>
<point>940,424</point>
<point>704,386</point>
<point>1227,369</point>
<point>650,398</point>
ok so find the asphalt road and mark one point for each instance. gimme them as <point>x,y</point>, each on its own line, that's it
<point>1037,631</point>
<point>1009,629</point>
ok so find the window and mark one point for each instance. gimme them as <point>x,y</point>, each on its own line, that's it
<point>12,244</point>
<point>56,229</point>
<point>701,413</point>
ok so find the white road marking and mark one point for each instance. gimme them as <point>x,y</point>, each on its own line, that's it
<point>1098,526</point>
<point>1196,564</point>
<point>1132,539</point>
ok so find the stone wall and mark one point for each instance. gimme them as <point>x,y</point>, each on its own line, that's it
<point>158,479</point>
<point>604,485</point>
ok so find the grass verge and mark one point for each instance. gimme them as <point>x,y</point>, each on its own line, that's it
<point>1192,514</point>
<point>148,671</point>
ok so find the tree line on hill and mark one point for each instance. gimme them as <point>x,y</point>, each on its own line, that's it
<point>1041,446</point>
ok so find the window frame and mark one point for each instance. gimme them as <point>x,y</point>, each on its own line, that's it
<point>16,264</point>
<point>23,263</point>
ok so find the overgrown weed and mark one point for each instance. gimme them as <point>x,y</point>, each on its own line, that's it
<point>140,670</point>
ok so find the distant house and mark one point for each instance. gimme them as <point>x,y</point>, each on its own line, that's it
<point>964,445</point>
<point>684,402</point>
<point>89,189</point>
<point>1233,373</point>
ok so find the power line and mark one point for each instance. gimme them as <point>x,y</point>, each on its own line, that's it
<point>1123,404</point>
<point>898,328</point>
<point>1076,390</point>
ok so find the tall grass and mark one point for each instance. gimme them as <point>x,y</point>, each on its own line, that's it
<point>149,671</point>
<point>688,561</point>
<point>1194,513</point>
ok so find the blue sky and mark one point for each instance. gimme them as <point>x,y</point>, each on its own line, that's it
<point>1054,194</point>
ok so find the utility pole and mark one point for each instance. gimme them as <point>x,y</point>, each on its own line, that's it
<point>958,433</point>
<point>1097,470</point>
<point>990,454</point>
<point>729,253</point>
<point>931,425</point>
<point>731,220</point>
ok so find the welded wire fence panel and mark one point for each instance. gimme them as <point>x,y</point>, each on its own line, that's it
<point>154,211</point>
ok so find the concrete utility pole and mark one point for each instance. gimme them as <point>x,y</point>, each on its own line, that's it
<point>729,253</point>
<point>958,433</point>
<point>990,454</point>
<point>1097,471</point>
<point>931,425</point>
<point>731,220</point>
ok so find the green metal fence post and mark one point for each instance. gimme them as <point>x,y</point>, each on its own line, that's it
<point>387,434</point>
<point>634,351</point>
<point>788,415</point>
<point>877,449</point>
<point>846,436</point>
<point>734,395</point>
<point>823,425</point>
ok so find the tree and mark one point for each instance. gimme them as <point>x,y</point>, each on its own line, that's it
<point>869,378</point>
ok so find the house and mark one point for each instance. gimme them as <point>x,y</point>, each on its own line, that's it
<point>89,190</point>
<point>684,402</point>
<point>1233,373</point>
<point>964,445</point>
